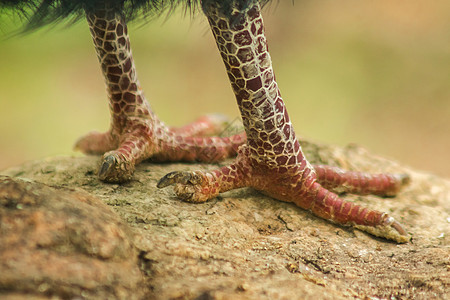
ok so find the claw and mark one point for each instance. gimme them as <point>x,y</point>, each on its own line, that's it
<point>404,178</point>
<point>108,163</point>
<point>395,225</point>
<point>189,186</point>
<point>399,228</point>
<point>179,177</point>
<point>389,229</point>
<point>168,179</point>
<point>115,170</point>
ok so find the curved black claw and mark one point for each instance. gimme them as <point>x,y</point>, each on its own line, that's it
<point>189,186</point>
<point>115,170</point>
<point>182,177</point>
<point>108,164</point>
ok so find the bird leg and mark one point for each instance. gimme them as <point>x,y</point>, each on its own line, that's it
<point>136,133</point>
<point>272,161</point>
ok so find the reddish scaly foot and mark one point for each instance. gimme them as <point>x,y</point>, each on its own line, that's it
<point>272,161</point>
<point>144,138</point>
<point>297,183</point>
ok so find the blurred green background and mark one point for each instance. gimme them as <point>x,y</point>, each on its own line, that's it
<point>375,73</point>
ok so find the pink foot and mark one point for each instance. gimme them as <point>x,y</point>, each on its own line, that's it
<point>297,183</point>
<point>142,139</point>
<point>272,161</point>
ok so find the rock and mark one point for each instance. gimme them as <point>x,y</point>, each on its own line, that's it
<point>241,245</point>
<point>63,243</point>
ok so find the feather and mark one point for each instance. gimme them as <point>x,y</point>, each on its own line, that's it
<point>42,12</point>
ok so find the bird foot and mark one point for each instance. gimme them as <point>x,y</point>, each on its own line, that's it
<point>189,186</point>
<point>297,183</point>
<point>143,138</point>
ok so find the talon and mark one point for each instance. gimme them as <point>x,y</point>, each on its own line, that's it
<point>176,177</point>
<point>167,180</point>
<point>390,221</point>
<point>108,162</point>
<point>399,228</point>
<point>189,186</point>
<point>114,169</point>
<point>404,178</point>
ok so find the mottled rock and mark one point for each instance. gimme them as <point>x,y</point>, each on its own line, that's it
<point>62,243</point>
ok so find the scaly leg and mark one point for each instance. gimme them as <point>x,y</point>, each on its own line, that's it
<point>136,133</point>
<point>273,161</point>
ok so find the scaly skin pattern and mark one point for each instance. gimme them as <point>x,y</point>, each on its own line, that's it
<point>136,133</point>
<point>272,160</point>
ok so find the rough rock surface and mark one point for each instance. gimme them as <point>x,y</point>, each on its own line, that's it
<point>63,243</point>
<point>241,245</point>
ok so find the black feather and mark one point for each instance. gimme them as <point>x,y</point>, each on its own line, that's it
<point>43,12</point>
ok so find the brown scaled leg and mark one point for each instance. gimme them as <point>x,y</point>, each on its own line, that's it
<point>272,160</point>
<point>136,133</point>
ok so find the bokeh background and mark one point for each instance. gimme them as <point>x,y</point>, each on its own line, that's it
<point>375,73</point>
